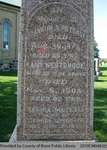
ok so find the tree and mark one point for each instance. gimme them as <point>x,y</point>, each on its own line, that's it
<point>96,50</point>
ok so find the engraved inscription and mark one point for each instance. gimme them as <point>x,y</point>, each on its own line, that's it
<point>56,64</point>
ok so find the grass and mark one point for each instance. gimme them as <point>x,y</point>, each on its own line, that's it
<point>100,106</point>
<point>7,105</point>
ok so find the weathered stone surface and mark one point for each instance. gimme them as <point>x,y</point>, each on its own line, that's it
<point>55,70</point>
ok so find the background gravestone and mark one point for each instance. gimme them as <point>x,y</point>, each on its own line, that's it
<point>55,87</point>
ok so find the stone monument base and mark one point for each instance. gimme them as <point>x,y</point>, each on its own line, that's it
<point>13,139</point>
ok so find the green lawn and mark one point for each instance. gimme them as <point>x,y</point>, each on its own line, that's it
<point>8,106</point>
<point>100,106</point>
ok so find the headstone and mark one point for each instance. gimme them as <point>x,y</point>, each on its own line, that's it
<point>55,87</point>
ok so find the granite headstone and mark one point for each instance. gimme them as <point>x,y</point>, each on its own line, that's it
<point>55,85</point>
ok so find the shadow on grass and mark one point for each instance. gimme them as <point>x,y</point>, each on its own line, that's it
<point>100,125</point>
<point>100,112</point>
<point>100,93</point>
<point>101,81</point>
<point>103,68</point>
<point>12,74</point>
<point>7,110</point>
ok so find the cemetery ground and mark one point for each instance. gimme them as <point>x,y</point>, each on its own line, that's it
<point>100,106</point>
<point>8,105</point>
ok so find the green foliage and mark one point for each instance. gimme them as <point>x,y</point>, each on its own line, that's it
<point>96,50</point>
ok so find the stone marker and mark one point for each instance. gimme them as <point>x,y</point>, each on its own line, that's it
<point>55,87</point>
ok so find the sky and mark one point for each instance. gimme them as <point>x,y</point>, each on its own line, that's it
<point>100,26</point>
<point>100,23</point>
